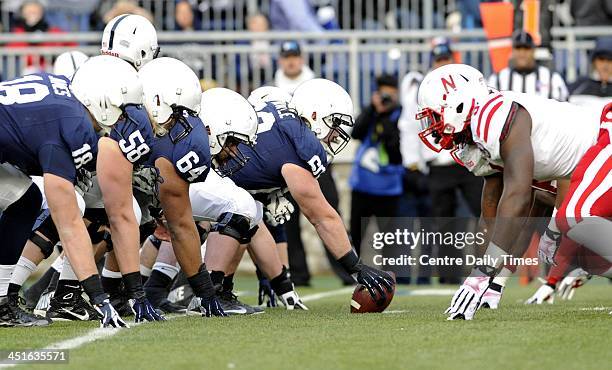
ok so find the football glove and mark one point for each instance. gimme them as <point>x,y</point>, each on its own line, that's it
<point>266,294</point>
<point>490,299</point>
<point>84,181</point>
<point>575,279</point>
<point>377,282</point>
<point>143,310</point>
<point>545,293</point>
<point>292,301</point>
<point>109,316</point>
<point>466,299</point>
<point>548,246</point>
<point>208,306</point>
<point>278,209</point>
<point>146,180</point>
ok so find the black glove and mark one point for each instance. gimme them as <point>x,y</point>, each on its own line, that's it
<point>143,310</point>
<point>266,294</point>
<point>375,281</point>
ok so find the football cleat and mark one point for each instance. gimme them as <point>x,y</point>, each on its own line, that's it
<point>11,314</point>
<point>232,306</point>
<point>292,301</point>
<point>206,307</point>
<point>71,307</point>
<point>43,303</point>
<point>170,307</point>
<point>121,304</point>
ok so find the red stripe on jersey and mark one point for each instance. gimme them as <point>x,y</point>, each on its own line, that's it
<point>482,113</point>
<point>599,177</point>
<point>489,117</point>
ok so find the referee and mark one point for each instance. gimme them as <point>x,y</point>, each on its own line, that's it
<point>525,75</point>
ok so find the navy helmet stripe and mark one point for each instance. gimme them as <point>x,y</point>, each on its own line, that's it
<point>73,62</point>
<point>112,32</point>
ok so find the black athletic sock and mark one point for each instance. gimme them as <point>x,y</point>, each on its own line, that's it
<point>32,295</point>
<point>111,286</point>
<point>217,278</point>
<point>157,287</point>
<point>228,283</point>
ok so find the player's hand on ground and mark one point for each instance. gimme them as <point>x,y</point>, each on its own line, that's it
<point>548,246</point>
<point>490,299</point>
<point>545,293</point>
<point>266,294</point>
<point>144,311</point>
<point>466,299</point>
<point>109,316</point>
<point>377,282</point>
<point>575,279</point>
<point>292,301</point>
<point>208,306</point>
<point>279,209</point>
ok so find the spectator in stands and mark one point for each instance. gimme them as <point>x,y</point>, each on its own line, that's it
<point>591,12</point>
<point>595,88</point>
<point>260,59</point>
<point>126,7</point>
<point>376,177</point>
<point>184,16</point>
<point>32,19</point>
<point>525,75</point>
<point>293,70</point>
<point>293,15</point>
<point>71,15</point>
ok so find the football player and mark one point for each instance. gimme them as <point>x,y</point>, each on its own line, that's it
<point>172,96</point>
<point>60,144</point>
<point>292,150</point>
<point>529,138</point>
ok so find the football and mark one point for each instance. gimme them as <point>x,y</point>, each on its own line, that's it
<point>362,301</point>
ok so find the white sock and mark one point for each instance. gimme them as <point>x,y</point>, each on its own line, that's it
<point>111,274</point>
<point>67,271</point>
<point>58,263</point>
<point>5,278</point>
<point>502,277</point>
<point>169,270</point>
<point>22,271</point>
<point>145,271</point>
<point>203,249</point>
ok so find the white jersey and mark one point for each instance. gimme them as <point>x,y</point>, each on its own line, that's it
<point>218,195</point>
<point>560,132</point>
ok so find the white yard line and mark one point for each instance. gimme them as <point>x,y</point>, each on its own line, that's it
<point>104,333</point>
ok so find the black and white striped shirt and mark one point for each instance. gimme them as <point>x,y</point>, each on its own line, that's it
<point>542,81</point>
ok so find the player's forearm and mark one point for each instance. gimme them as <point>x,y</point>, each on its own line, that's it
<point>333,234</point>
<point>77,246</point>
<point>512,211</point>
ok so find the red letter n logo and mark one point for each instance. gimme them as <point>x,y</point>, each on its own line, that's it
<point>448,83</point>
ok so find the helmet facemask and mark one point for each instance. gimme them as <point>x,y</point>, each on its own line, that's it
<point>439,135</point>
<point>230,158</point>
<point>337,139</point>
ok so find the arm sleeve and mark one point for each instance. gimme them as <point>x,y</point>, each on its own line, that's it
<point>57,160</point>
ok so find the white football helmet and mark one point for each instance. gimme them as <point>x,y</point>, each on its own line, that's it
<point>171,90</point>
<point>268,93</point>
<point>67,63</point>
<point>132,38</point>
<point>447,99</point>
<point>105,85</point>
<point>230,119</point>
<point>326,107</point>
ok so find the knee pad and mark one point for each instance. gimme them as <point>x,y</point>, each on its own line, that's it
<point>48,229</point>
<point>235,226</point>
<point>155,241</point>
<point>46,246</point>
<point>278,233</point>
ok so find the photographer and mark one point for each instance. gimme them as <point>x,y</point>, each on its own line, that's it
<point>376,177</point>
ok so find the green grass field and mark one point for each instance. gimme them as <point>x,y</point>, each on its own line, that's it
<point>413,334</point>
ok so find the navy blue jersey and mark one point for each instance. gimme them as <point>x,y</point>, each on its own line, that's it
<point>282,138</point>
<point>190,155</point>
<point>44,128</point>
<point>134,134</point>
